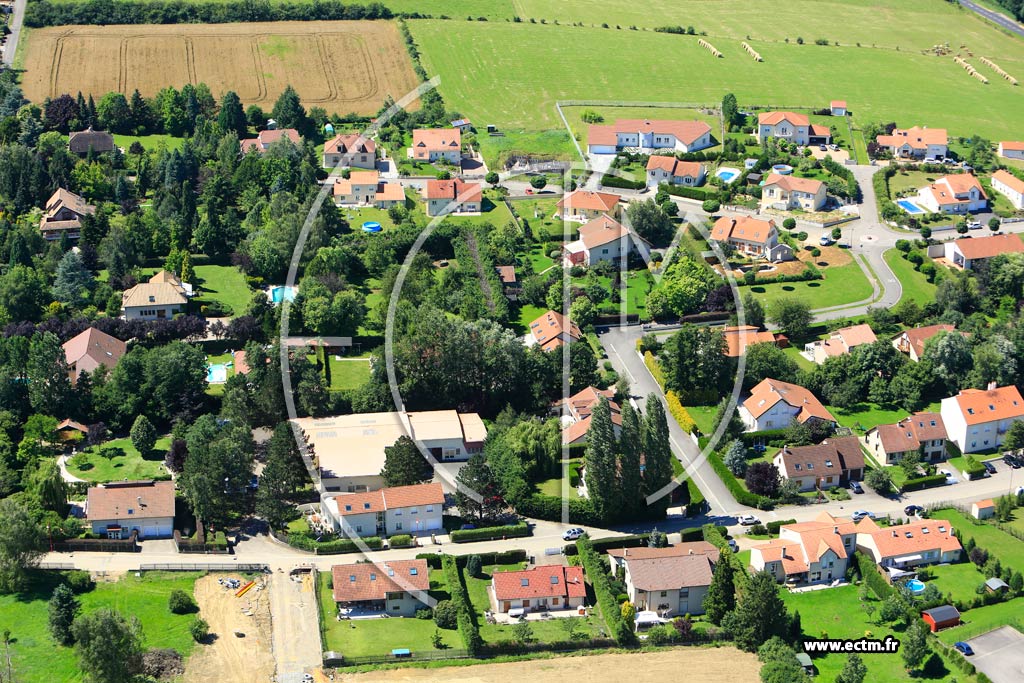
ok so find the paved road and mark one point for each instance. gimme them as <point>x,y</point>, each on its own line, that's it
<point>11,47</point>
<point>995,17</point>
<point>295,626</point>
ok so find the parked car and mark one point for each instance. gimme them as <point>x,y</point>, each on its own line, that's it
<point>733,545</point>
<point>825,240</point>
<point>950,479</point>
<point>1011,460</point>
<point>861,514</point>
<point>856,487</point>
<point>823,148</point>
<point>963,648</point>
<point>749,520</point>
<point>989,467</point>
<point>834,147</point>
<point>572,534</point>
<point>467,527</point>
<point>974,225</point>
<point>913,510</point>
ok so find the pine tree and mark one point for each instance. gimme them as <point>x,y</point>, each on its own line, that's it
<point>63,608</point>
<point>914,647</point>
<point>853,671</point>
<point>404,465</point>
<point>601,477</point>
<point>657,450</point>
<point>232,116</point>
<point>630,477</point>
<point>759,614</point>
<point>736,458</point>
<point>288,110</point>
<point>477,494</point>
<point>721,596</point>
<point>143,435</point>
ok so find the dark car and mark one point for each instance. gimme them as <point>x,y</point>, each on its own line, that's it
<point>856,487</point>
<point>963,648</point>
<point>1012,461</point>
<point>912,510</point>
<point>989,467</point>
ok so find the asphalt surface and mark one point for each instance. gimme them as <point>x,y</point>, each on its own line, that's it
<point>995,17</point>
<point>11,46</point>
<point>999,654</point>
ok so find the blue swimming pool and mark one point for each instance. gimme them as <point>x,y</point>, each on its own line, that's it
<point>217,373</point>
<point>915,586</point>
<point>282,293</point>
<point>727,174</point>
<point>909,206</point>
<point>371,226</point>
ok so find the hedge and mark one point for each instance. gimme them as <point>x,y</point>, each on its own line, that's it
<point>742,496</point>
<point>336,547</point>
<point>924,482</point>
<point>602,545</point>
<point>490,533</point>
<point>773,527</point>
<point>808,274</point>
<point>687,192</point>
<point>974,468</point>
<point>468,629</point>
<point>652,364</point>
<point>768,435</point>
<point>713,535</point>
<point>400,541</point>
<point>680,413</point>
<point>540,506</point>
<point>503,557</point>
<point>594,566</point>
<point>691,535</point>
<point>869,572</point>
<point>609,180</point>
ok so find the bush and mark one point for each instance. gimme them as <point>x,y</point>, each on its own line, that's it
<point>602,545</point>
<point>758,530</point>
<point>460,598</point>
<point>682,191</point>
<point>181,602</point>
<point>789,223</point>
<point>655,367</point>
<point>400,541</point>
<point>474,567</point>
<point>490,533</point>
<point>773,527</point>
<point>924,482</point>
<point>199,629</point>
<point>216,309</point>
<point>973,469</point>
<point>691,535</point>
<point>79,581</point>
<point>710,205</point>
<point>869,572</point>
<point>334,547</point>
<point>424,614</point>
<point>675,407</point>
<point>446,615</point>
<point>609,180</point>
<point>742,495</point>
<point>593,565</point>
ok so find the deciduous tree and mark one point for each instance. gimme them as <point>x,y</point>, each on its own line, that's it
<point>109,647</point>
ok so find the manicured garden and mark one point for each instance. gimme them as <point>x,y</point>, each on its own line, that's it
<point>915,285</point>
<point>124,461</point>
<point>348,373</point>
<point>957,580</point>
<point>224,284</point>
<point>845,284</point>
<point>36,659</point>
<point>864,416</point>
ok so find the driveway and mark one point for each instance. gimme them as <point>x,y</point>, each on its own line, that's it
<point>999,654</point>
<point>295,627</point>
<point>599,165</point>
<point>11,46</point>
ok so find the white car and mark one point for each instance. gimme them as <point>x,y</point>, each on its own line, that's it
<point>950,479</point>
<point>861,514</point>
<point>749,520</point>
<point>572,534</point>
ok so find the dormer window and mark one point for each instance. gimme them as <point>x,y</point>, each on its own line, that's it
<point>828,463</point>
<point>554,580</point>
<point>796,467</point>
<point>810,466</point>
<point>970,411</point>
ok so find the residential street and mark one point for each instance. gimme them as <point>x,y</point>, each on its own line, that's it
<point>11,47</point>
<point>996,17</point>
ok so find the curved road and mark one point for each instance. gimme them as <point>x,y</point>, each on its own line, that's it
<point>995,17</point>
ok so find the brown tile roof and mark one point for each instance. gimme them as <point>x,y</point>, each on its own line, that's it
<point>909,433</point>
<point>919,336</point>
<point>390,499</point>
<point>582,403</point>
<point>915,138</point>
<point>833,456</point>
<point>590,201</point>
<point>684,131</point>
<point>374,580</point>
<point>91,349</point>
<point>603,230</point>
<point>65,199</point>
<point>131,499</point>
<point>455,190</point>
<point>771,118</point>
<point>71,424</point>
<point>648,553</point>
<point>548,328</point>
<point>986,247</point>
<point>152,294</point>
<point>540,582</point>
<point>794,184</point>
<point>770,391</point>
<point>743,228</point>
<point>915,537</point>
<point>506,274</point>
<point>739,339</point>
<point>1010,180</point>
<point>426,140</point>
<point>981,405</point>
<point>856,335</point>
<point>364,177</point>
<point>987,503</point>
<point>350,143</point>
<point>675,167</point>
<point>84,140</point>
<point>675,571</point>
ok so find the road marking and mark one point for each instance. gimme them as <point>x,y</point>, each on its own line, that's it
<point>623,363</point>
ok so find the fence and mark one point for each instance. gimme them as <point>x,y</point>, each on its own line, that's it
<point>211,567</point>
<point>98,545</point>
<point>56,566</point>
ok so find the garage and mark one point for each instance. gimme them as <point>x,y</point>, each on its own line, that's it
<point>601,149</point>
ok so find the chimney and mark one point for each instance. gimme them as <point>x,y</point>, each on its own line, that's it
<point>991,386</point>
<point>835,530</point>
<point>138,499</point>
<point>895,535</point>
<point>691,551</point>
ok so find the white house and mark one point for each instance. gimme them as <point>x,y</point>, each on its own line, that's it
<point>580,406</point>
<point>808,552</point>
<point>916,143</point>
<point>959,193</point>
<point>751,237</point>
<point>922,433</point>
<point>968,251</point>
<point>392,587</point>
<point>912,342</point>
<point>540,588</point>
<point>551,330</point>
<point>648,135</point>
<point>791,127</point>
<point>453,197</point>
<point>1010,186</point>
<point>160,298</point>
<point>921,542</point>
<point>838,107</point>
<point>786,193</point>
<point>365,188</point>
<point>117,508</point>
<point>437,144</point>
<point>386,512</point>
<point>1011,150</point>
<point>773,404</point>
<point>602,239</point>
<point>671,581</point>
<point>833,462</point>
<point>977,419</point>
<point>350,150</point>
<point>674,172</point>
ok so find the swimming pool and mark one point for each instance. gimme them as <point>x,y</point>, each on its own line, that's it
<point>217,373</point>
<point>909,206</point>
<point>915,586</point>
<point>782,169</point>
<point>727,174</point>
<point>282,293</point>
<point>371,226</point>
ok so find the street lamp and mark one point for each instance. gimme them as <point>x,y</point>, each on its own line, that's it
<point>49,537</point>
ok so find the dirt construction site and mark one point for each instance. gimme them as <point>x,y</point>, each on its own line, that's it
<point>342,66</point>
<point>702,665</point>
<point>239,647</point>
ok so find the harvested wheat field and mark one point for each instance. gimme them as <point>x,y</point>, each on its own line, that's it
<point>702,665</point>
<point>342,66</point>
<point>228,658</point>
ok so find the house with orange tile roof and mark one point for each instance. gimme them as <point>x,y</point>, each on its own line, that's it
<point>350,150</point>
<point>674,172</point>
<point>922,433</point>
<point>833,462</point>
<point>385,512</point>
<point>911,342</point>
<point>751,237</point>
<point>957,193</point>
<point>392,587</point>
<point>840,342</point>
<point>538,589</point>
<point>916,143</point>
<point>920,542</point>
<point>968,251</point>
<point>783,125</point>
<point>601,239</point>
<point>551,330</point>
<point>773,404</point>
<point>811,552</point>
<point>87,351</point>
<point>1011,149</point>
<point>364,188</point>
<point>739,337</point>
<point>453,197</point>
<point>584,205</point>
<point>576,410</point>
<point>671,581</point>
<point>63,215</point>
<point>1010,186</point>
<point>786,193</point>
<point>838,108</point>
<point>436,144</point>
<point>648,135</point>
<point>262,142</point>
<point>978,419</point>
<point>983,509</point>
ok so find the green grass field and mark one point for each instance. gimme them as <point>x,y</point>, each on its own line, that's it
<point>984,619</point>
<point>149,142</point>
<point>915,285</point>
<point>348,374</point>
<point>541,216</point>
<point>526,315</point>
<point>1008,549</point>
<point>869,415</point>
<point>225,284</point>
<point>844,284</point>
<point>91,466</point>
<point>550,144</point>
<point>493,10</point>
<point>957,580</point>
<point>511,74</point>
<point>37,659</point>
<point>911,181</point>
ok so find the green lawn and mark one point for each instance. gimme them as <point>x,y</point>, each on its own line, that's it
<point>844,284</point>
<point>957,580</point>
<point>869,415</point>
<point>35,657</point>
<point>511,74</point>
<point>363,637</point>
<point>527,314</point>
<point>704,417</point>
<point>348,374</point>
<point>553,487</point>
<point>984,619</point>
<point>540,214</point>
<point>356,217</point>
<point>1008,549</point>
<point>149,142</point>
<point>545,144</point>
<point>794,352</point>
<point>837,613</point>
<point>225,284</point>
<point>911,181</point>
<point>915,285</point>
<point>91,466</point>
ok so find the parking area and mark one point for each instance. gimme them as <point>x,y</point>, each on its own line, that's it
<point>999,654</point>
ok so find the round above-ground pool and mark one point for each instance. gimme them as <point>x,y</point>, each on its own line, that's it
<point>915,586</point>
<point>782,169</point>
<point>371,226</point>
<point>728,174</point>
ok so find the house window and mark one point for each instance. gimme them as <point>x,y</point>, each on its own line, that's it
<point>430,508</point>
<point>684,592</point>
<point>398,513</point>
<point>414,511</point>
<point>664,594</point>
<point>398,526</point>
<point>359,528</point>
